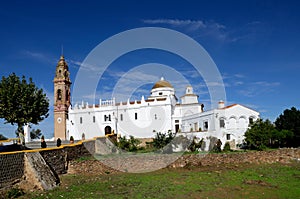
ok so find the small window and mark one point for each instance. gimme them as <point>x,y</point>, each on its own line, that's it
<point>176,121</point>
<point>251,120</point>
<point>205,126</point>
<point>107,118</point>
<point>227,136</point>
<point>155,116</point>
<point>135,116</point>
<point>121,117</point>
<point>80,120</point>
<point>94,119</point>
<point>59,95</point>
<point>160,93</point>
<point>222,123</point>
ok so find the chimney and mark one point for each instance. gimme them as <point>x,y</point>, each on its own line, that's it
<point>221,104</point>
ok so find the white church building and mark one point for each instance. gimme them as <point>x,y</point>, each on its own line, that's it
<point>160,112</point>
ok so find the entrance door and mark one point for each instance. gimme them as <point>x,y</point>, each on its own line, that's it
<point>107,130</point>
<point>176,128</point>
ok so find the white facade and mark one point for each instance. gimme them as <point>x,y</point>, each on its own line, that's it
<point>160,112</point>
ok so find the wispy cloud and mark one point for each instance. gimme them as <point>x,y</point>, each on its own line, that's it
<point>258,88</point>
<point>211,28</point>
<point>197,27</point>
<point>85,66</point>
<point>34,54</point>
<point>190,24</point>
<point>37,56</point>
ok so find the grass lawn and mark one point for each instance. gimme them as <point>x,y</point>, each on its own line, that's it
<point>228,181</point>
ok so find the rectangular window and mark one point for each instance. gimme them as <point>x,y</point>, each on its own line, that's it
<point>222,123</point>
<point>94,119</point>
<point>205,126</point>
<point>160,93</point>
<point>80,120</point>
<point>135,116</point>
<point>176,121</point>
<point>121,117</point>
<point>107,118</point>
<point>228,136</point>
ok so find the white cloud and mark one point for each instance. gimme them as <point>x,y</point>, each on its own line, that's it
<point>212,29</point>
<point>192,24</point>
<point>258,88</point>
<point>198,28</point>
<point>267,84</point>
<point>85,66</point>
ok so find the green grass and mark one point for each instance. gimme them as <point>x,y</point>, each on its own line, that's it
<point>227,181</point>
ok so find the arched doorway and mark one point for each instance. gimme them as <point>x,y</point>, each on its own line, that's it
<point>107,130</point>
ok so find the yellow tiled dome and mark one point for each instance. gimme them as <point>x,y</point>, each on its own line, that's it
<point>162,83</point>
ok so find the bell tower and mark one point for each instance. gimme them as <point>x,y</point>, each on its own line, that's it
<point>62,84</point>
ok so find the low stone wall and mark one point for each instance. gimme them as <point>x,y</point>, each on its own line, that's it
<point>284,155</point>
<point>12,163</point>
<point>11,168</point>
<point>58,158</point>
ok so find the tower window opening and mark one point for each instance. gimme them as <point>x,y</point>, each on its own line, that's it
<point>59,95</point>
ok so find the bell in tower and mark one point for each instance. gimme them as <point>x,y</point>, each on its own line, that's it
<point>62,98</point>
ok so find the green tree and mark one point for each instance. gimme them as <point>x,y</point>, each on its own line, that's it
<point>263,134</point>
<point>130,144</point>
<point>290,120</point>
<point>259,134</point>
<point>162,139</point>
<point>35,134</point>
<point>21,102</point>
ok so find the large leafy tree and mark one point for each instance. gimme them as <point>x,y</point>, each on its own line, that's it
<point>290,120</point>
<point>21,102</point>
<point>259,134</point>
<point>262,134</point>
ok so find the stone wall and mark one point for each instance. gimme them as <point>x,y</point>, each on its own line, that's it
<point>58,158</point>
<point>11,168</point>
<point>284,155</point>
<point>12,163</point>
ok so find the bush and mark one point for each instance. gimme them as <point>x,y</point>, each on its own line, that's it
<point>162,139</point>
<point>130,144</point>
<point>195,146</point>
<point>217,146</point>
<point>226,147</point>
<point>15,193</point>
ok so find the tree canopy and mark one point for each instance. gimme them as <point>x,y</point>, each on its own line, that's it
<point>21,102</point>
<point>290,120</point>
<point>262,134</point>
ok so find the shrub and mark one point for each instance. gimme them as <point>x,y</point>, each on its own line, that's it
<point>195,146</point>
<point>162,139</point>
<point>226,147</point>
<point>130,144</point>
<point>15,193</point>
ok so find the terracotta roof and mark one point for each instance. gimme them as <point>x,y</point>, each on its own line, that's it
<point>229,106</point>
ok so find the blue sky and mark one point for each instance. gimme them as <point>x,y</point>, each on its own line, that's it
<point>255,45</point>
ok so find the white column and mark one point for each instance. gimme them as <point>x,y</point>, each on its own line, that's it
<point>27,133</point>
